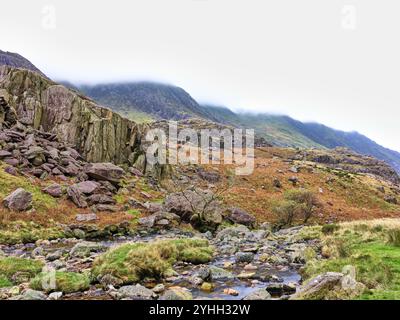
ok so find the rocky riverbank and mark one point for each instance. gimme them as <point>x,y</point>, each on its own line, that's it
<point>245,264</point>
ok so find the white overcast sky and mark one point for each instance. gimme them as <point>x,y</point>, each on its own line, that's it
<point>336,62</point>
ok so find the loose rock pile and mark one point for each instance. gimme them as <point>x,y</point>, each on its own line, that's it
<point>39,153</point>
<point>33,152</point>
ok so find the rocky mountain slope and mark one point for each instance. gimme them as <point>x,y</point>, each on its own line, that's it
<point>145,102</point>
<point>17,61</point>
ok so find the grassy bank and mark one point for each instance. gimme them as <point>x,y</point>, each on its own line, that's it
<point>373,247</point>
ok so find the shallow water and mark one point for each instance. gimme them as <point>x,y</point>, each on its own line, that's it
<point>284,274</point>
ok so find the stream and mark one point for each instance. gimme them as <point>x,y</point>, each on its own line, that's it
<point>273,265</point>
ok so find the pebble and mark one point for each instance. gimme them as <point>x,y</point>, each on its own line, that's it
<point>207,286</point>
<point>159,288</point>
<point>55,295</point>
<point>231,292</point>
<point>250,267</point>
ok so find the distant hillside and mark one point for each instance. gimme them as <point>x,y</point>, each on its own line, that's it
<point>15,60</point>
<point>156,101</point>
<point>144,101</point>
<point>285,131</point>
<point>333,138</point>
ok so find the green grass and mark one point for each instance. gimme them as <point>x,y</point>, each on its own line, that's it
<point>66,282</point>
<point>120,198</point>
<point>394,237</point>
<point>134,262</point>
<point>134,212</point>
<point>9,183</point>
<point>5,282</point>
<point>377,262</point>
<point>137,116</point>
<point>329,228</point>
<point>27,232</point>
<point>11,266</point>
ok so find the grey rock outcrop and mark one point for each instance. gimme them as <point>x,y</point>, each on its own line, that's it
<point>96,132</point>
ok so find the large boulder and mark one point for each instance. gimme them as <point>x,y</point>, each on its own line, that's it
<point>199,207</point>
<point>137,292</point>
<point>241,217</point>
<point>19,200</point>
<point>100,199</point>
<point>30,294</point>
<point>260,294</point>
<point>177,293</point>
<point>87,187</point>
<point>104,171</point>
<point>148,222</point>
<point>85,249</point>
<point>330,286</point>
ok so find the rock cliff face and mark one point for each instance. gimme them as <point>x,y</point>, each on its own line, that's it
<point>99,134</point>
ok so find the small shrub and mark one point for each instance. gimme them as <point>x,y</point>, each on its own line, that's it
<point>285,212</point>
<point>343,248</point>
<point>297,205</point>
<point>394,237</point>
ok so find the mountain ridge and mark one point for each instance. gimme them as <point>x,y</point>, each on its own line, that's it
<point>279,130</point>
<point>147,101</point>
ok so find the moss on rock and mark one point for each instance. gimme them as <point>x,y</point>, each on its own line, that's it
<point>12,269</point>
<point>67,282</point>
<point>134,262</point>
<point>27,232</point>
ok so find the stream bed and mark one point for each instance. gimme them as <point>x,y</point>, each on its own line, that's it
<point>254,259</point>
